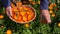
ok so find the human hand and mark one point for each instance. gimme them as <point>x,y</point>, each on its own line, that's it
<point>8,11</point>
<point>46,14</point>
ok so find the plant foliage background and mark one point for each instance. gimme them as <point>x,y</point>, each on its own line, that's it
<point>35,27</point>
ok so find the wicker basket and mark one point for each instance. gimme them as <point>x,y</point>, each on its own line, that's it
<point>23,22</point>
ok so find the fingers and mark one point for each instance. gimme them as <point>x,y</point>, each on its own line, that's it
<point>46,15</point>
<point>8,11</point>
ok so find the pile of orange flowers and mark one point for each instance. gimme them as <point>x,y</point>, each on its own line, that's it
<point>22,13</point>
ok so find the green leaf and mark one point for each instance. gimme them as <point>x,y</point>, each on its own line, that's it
<point>1,21</point>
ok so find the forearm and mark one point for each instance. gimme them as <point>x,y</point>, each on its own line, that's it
<point>44,4</point>
<point>6,3</point>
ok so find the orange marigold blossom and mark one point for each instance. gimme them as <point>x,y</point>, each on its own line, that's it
<point>1,16</point>
<point>27,25</point>
<point>8,32</point>
<point>19,3</point>
<point>59,24</point>
<point>53,15</point>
